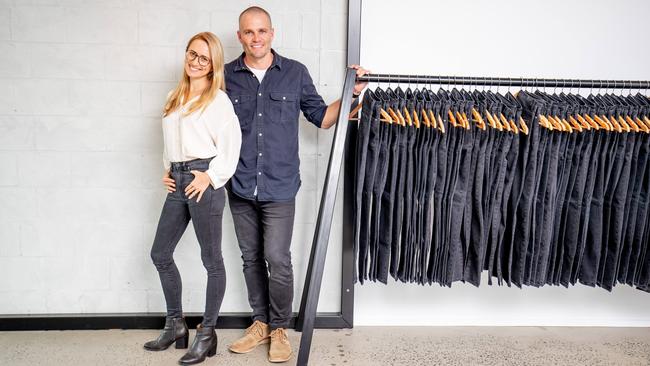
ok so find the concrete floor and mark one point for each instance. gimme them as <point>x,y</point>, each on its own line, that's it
<point>359,346</point>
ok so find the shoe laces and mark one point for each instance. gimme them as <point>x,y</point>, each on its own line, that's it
<point>256,328</point>
<point>280,334</point>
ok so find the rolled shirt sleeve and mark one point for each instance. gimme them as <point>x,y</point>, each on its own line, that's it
<point>311,103</point>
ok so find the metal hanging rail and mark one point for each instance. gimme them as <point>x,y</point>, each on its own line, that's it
<point>494,81</point>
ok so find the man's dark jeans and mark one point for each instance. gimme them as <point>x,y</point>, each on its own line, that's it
<point>264,231</point>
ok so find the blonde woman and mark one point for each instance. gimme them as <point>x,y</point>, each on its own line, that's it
<point>202,139</point>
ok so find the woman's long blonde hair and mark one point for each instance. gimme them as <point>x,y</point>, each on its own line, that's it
<point>216,77</point>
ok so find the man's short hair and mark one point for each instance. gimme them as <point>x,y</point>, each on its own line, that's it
<point>258,10</point>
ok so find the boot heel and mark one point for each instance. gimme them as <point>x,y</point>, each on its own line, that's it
<point>212,351</point>
<point>182,342</point>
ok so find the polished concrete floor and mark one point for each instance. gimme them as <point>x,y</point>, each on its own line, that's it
<point>359,346</point>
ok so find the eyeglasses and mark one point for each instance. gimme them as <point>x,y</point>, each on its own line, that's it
<point>191,56</point>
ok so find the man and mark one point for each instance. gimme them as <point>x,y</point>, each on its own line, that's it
<point>268,92</point>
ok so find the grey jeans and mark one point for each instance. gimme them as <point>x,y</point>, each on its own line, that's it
<point>206,217</point>
<point>264,232</point>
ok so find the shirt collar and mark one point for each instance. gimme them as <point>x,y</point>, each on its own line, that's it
<point>277,61</point>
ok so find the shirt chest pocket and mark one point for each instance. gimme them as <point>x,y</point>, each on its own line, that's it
<point>283,107</point>
<point>244,107</point>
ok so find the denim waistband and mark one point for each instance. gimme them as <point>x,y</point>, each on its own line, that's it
<point>190,165</point>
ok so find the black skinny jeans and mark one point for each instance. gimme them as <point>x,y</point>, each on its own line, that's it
<point>206,217</point>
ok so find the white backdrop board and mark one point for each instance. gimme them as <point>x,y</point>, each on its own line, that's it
<point>505,38</point>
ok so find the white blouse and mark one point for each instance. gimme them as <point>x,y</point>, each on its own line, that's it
<point>203,134</point>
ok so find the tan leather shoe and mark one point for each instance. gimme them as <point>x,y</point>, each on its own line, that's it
<point>256,334</point>
<point>280,350</point>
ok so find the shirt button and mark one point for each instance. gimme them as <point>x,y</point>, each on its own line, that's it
<point>259,114</point>
<point>260,154</point>
<point>260,94</point>
<point>235,100</point>
<point>260,134</point>
<point>259,173</point>
<point>283,98</point>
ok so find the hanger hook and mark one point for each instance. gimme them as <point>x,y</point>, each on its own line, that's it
<point>579,86</point>
<point>600,85</point>
<point>629,87</point>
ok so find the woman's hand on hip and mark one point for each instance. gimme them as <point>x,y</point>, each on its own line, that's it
<point>198,185</point>
<point>169,182</point>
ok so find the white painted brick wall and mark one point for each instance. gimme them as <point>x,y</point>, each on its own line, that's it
<point>83,85</point>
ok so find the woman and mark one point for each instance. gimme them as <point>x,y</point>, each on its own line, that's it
<point>202,139</point>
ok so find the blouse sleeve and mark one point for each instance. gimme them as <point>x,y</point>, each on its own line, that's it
<point>166,163</point>
<point>226,135</point>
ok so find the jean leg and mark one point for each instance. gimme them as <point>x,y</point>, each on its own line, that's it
<point>277,220</point>
<point>172,223</point>
<point>248,229</point>
<point>207,217</point>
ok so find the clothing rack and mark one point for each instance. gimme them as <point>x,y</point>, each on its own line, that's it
<point>343,147</point>
<point>345,143</point>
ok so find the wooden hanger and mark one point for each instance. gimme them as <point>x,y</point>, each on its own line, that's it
<point>513,125</point>
<point>544,122</point>
<point>573,123</point>
<point>441,124</point>
<point>556,124</point>
<point>577,125</point>
<point>581,121</point>
<point>463,122</point>
<point>613,122</point>
<point>641,125</point>
<point>622,123</point>
<point>432,119</point>
<point>490,119</point>
<point>407,116</point>
<point>355,111</point>
<point>400,116</point>
<point>523,127</point>
<point>504,122</point>
<point>391,113</point>
<point>592,123</point>
<point>416,120</point>
<point>425,118</point>
<point>479,120</point>
<point>565,124</point>
<point>452,119</point>
<point>602,124</point>
<point>632,124</point>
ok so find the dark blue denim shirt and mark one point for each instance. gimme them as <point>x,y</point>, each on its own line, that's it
<point>268,115</point>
